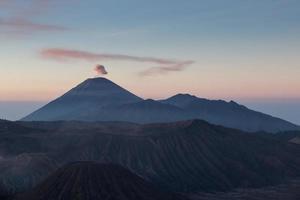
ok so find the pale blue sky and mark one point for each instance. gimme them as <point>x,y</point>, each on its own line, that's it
<point>246,50</point>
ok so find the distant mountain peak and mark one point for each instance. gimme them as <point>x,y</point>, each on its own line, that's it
<point>98,80</point>
<point>96,83</point>
<point>85,100</point>
<point>184,95</point>
<point>99,87</point>
<point>180,100</point>
<point>100,99</point>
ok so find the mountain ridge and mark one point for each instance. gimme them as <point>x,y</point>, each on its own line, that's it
<point>99,99</point>
<point>186,156</point>
<point>91,93</point>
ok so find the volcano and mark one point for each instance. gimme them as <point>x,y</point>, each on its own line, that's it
<point>91,181</point>
<point>86,99</point>
<point>185,157</point>
<point>99,99</point>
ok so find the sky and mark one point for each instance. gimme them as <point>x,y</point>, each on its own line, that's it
<point>246,51</point>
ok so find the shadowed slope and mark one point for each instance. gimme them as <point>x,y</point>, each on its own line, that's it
<point>148,111</point>
<point>24,171</point>
<point>186,156</point>
<point>288,191</point>
<point>229,114</point>
<point>94,181</point>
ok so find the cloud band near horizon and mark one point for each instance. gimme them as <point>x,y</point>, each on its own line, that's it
<point>165,65</point>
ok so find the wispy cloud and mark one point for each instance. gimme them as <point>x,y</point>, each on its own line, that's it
<point>178,66</point>
<point>26,25</point>
<point>165,65</point>
<point>19,17</point>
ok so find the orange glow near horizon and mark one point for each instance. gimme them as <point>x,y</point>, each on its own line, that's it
<point>149,88</point>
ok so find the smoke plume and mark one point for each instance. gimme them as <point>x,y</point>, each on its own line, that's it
<point>100,70</point>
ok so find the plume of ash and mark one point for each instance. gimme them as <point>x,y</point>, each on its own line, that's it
<point>100,70</point>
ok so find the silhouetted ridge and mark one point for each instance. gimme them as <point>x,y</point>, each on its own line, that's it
<point>8,126</point>
<point>229,114</point>
<point>94,181</point>
<point>99,99</point>
<point>180,100</point>
<point>185,156</point>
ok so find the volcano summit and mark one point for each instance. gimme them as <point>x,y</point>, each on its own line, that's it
<point>99,99</point>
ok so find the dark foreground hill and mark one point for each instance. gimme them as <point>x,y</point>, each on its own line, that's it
<point>287,191</point>
<point>187,156</point>
<point>100,99</point>
<point>95,181</point>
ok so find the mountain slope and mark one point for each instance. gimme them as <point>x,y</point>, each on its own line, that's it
<point>100,99</point>
<point>87,98</point>
<point>95,181</point>
<point>187,156</point>
<point>8,127</point>
<point>24,171</point>
<point>287,191</point>
<point>229,114</point>
<point>148,111</point>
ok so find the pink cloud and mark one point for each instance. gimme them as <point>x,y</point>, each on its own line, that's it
<point>165,65</point>
<point>180,66</point>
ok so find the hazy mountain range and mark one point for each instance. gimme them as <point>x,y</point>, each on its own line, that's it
<point>100,99</point>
